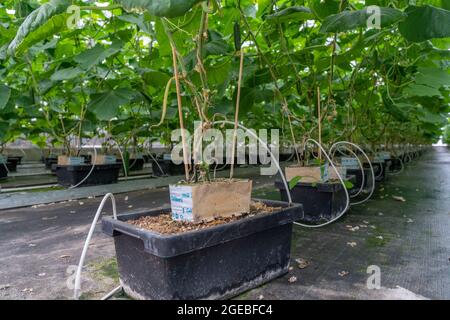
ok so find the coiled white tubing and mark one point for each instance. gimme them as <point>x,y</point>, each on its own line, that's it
<point>347,205</point>
<point>371,169</point>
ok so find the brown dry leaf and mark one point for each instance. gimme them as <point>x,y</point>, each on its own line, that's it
<point>398,198</point>
<point>302,263</point>
<point>352,244</point>
<point>343,273</point>
<point>292,279</point>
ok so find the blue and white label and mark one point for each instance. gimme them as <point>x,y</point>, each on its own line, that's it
<point>181,203</point>
<point>75,161</point>
<point>109,159</point>
<point>350,163</point>
<point>2,159</point>
<point>385,155</point>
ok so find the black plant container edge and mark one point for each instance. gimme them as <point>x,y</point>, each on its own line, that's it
<point>164,246</point>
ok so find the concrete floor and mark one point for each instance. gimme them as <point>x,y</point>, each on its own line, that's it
<point>409,241</point>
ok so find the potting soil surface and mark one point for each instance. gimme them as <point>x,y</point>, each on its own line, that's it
<point>164,224</point>
<point>386,248</point>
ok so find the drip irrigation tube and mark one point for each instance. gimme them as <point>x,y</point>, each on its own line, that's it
<point>371,169</point>
<point>89,173</point>
<point>401,169</point>
<point>77,288</point>
<point>347,205</point>
<point>156,161</point>
<point>361,167</point>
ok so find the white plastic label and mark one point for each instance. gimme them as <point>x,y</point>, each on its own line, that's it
<point>75,161</point>
<point>2,159</point>
<point>110,159</point>
<point>350,163</point>
<point>167,156</point>
<point>385,155</point>
<point>181,202</point>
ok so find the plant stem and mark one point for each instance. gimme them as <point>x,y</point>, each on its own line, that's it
<point>236,114</point>
<point>319,122</point>
<point>180,113</point>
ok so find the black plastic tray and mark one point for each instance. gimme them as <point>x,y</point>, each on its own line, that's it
<point>212,263</point>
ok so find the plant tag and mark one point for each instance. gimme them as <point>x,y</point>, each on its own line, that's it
<point>71,161</point>
<point>108,159</point>
<point>76,160</point>
<point>181,203</point>
<point>378,159</point>
<point>2,159</point>
<point>167,156</point>
<point>350,163</point>
<point>385,155</point>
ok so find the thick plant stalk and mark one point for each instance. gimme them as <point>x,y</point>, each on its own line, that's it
<point>180,113</point>
<point>319,117</point>
<point>236,114</point>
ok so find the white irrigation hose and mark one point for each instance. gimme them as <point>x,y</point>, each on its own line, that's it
<point>157,163</point>
<point>76,293</point>
<point>113,201</point>
<point>401,169</point>
<point>371,169</point>
<point>363,176</point>
<point>121,156</point>
<point>113,292</point>
<point>381,171</point>
<point>262,143</point>
<point>347,205</point>
<point>154,159</point>
<point>90,171</point>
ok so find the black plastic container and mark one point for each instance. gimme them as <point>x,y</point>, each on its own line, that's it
<point>136,164</point>
<point>49,161</point>
<point>286,156</point>
<point>69,175</point>
<point>359,179</point>
<point>168,168</point>
<point>17,159</point>
<point>12,163</point>
<point>3,171</point>
<point>380,169</point>
<point>212,263</point>
<point>396,164</point>
<point>321,201</point>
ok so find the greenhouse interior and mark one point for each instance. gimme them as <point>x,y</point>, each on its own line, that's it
<point>234,150</point>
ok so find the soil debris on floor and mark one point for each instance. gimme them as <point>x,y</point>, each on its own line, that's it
<point>164,224</point>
